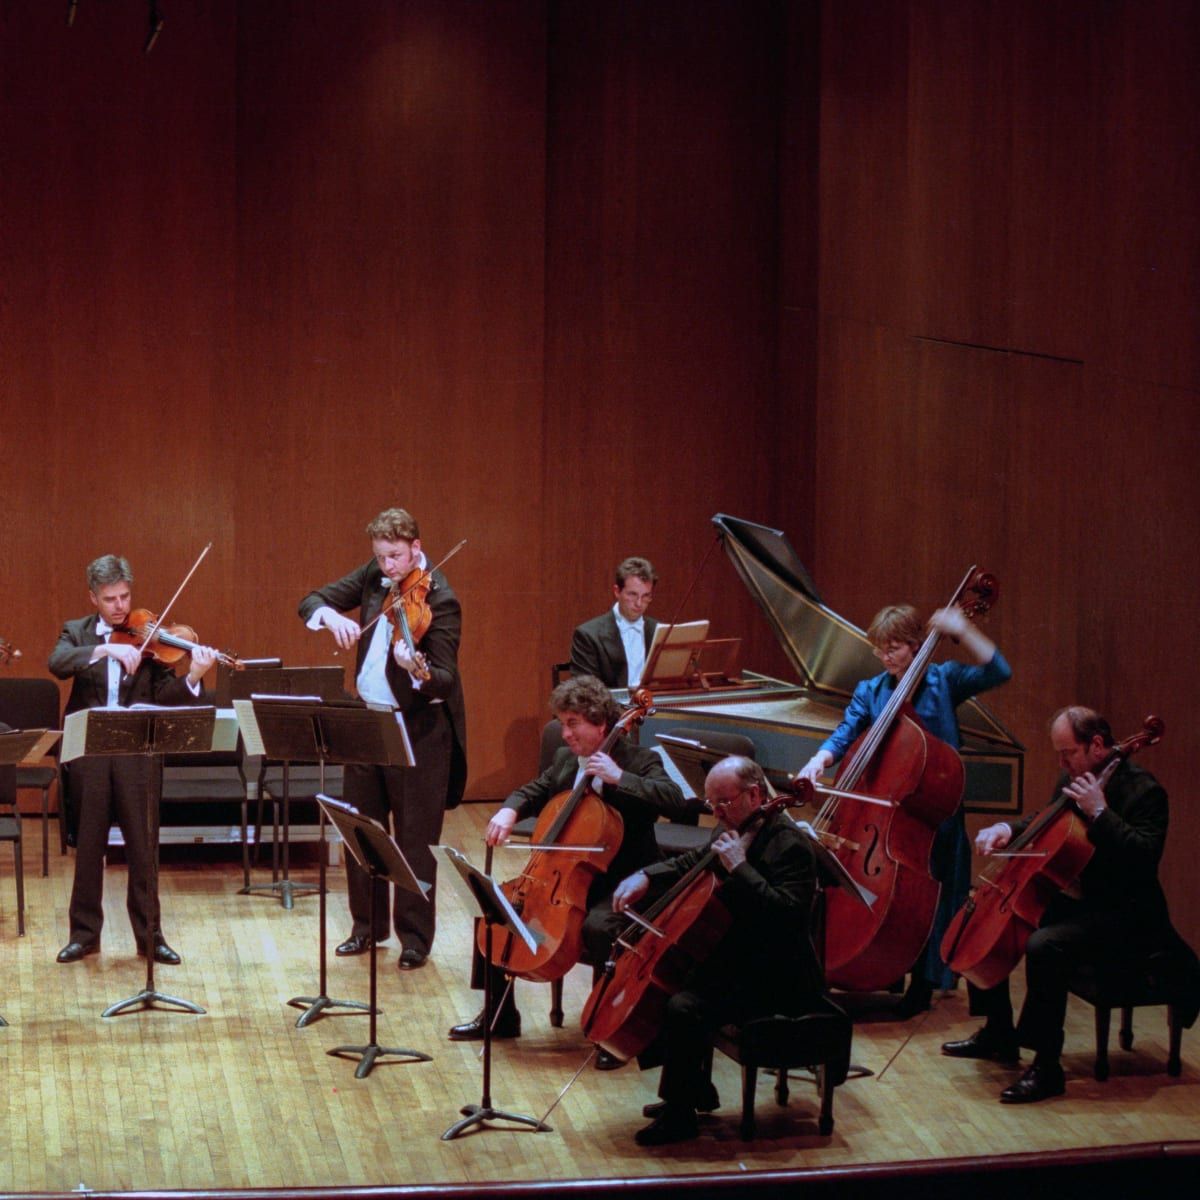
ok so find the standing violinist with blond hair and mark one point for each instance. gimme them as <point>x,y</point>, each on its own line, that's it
<point>388,673</point>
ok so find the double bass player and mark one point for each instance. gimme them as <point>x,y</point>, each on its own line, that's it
<point>895,635</point>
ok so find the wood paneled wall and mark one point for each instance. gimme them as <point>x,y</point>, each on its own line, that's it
<point>508,264</point>
<point>1008,364</point>
<point>913,281</point>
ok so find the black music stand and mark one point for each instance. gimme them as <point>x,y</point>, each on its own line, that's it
<point>381,858</point>
<point>150,731</point>
<point>495,910</point>
<point>271,678</point>
<point>307,730</point>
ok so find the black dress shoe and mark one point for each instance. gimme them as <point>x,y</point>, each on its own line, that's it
<point>162,954</point>
<point>411,960</point>
<point>608,1062</point>
<point>1040,1082</point>
<point>709,1102</point>
<point>508,1025</point>
<point>74,951</point>
<point>356,943</point>
<point>987,1043</point>
<point>673,1125</point>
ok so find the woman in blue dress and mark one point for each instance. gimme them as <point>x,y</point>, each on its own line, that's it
<point>896,635</point>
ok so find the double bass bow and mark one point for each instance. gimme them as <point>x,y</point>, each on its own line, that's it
<point>988,935</point>
<point>575,839</point>
<point>654,955</point>
<point>916,782</point>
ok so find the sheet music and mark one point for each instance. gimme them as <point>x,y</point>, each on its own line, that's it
<point>74,735</point>
<point>248,723</point>
<point>674,772</point>
<point>461,866</point>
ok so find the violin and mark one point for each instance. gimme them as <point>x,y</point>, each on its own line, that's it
<point>575,839</point>
<point>655,954</point>
<point>897,784</point>
<point>168,644</point>
<point>988,935</point>
<point>8,652</point>
<point>407,609</point>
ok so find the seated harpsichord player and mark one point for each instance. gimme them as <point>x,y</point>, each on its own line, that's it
<point>613,646</point>
<point>106,671</point>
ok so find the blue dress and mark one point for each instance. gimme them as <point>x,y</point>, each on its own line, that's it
<point>945,686</point>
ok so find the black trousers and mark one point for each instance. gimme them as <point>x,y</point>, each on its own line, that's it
<point>411,802</point>
<point>1071,934</point>
<point>124,788</point>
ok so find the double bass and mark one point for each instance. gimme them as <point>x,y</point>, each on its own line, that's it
<point>654,956</point>
<point>897,784</point>
<point>988,935</point>
<point>575,839</point>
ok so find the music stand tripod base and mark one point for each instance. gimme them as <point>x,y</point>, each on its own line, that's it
<point>478,1114</point>
<point>316,1006</point>
<point>147,998</point>
<point>286,889</point>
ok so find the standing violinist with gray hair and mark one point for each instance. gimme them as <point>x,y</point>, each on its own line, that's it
<point>106,671</point>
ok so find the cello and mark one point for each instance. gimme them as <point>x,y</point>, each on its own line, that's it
<point>654,955</point>
<point>905,783</point>
<point>575,839</point>
<point>988,935</point>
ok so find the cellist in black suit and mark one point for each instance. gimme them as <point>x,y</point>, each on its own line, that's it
<point>765,963</point>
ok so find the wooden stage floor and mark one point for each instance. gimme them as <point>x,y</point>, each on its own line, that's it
<point>240,1098</point>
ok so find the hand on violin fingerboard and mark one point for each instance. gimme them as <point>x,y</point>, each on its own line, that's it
<point>406,660</point>
<point>203,657</point>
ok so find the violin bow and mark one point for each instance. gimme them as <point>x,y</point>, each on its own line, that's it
<point>178,591</point>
